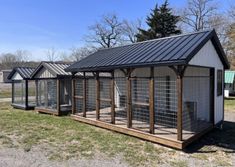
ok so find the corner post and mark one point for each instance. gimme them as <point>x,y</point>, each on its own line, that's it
<point>97,96</point>
<point>212,95</point>
<point>151,101</point>
<point>84,94</point>
<point>58,96</point>
<point>180,73</point>
<point>129,99</point>
<point>12,92</point>
<point>112,94</point>
<point>73,94</point>
<point>26,93</point>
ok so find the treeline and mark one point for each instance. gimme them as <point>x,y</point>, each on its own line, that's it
<point>162,21</point>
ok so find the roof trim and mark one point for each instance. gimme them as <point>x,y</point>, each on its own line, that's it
<point>16,69</point>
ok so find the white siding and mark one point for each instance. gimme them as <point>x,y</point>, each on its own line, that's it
<point>17,76</point>
<point>44,73</point>
<point>208,57</point>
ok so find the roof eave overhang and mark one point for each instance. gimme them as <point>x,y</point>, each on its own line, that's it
<point>125,66</point>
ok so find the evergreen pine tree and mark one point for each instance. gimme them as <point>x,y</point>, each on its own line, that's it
<point>161,22</point>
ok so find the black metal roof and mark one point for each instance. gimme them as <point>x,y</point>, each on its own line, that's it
<point>55,68</point>
<point>174,50</point>
<point>25,72</point>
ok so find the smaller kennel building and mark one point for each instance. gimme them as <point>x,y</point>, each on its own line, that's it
<point>229,82</point>
<point>168,90</point>
<point>53,88</point>
<point>23,88</point>
<point>4,76</point>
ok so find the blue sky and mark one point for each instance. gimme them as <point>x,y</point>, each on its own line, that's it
<point>36,25</point>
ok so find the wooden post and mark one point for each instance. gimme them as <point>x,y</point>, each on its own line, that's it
<point>112,94</point>
<point>36,90</point>
<point>26,93</point>
<point>84,95</point>
<point>129,100</point>
<point>180,106</point>
<point>12,92</point>
<point>151,101</point>
<point>97,96</point>
<point>58,96</point>
<point>73,95</point>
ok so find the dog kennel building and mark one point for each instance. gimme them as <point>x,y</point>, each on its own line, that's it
<point>23,88</point>
<point>168,90</point>
<point>53,88</point>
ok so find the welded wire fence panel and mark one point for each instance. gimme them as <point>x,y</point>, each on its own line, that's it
<point>78,96</point>
<point>196,104</point>
<point>19,92</point>
<point>165,102</point>
<point>120,100</point>
<point>140,103</point>
<point>91,98</point>
<point>105,99</point>
<point>31,93</point>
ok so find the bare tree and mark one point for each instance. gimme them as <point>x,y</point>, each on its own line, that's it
<point>130,29</point>
<point>23,55</point>
<point>197,13</point>
<point>106,33</point>
<point>51,54</point>
<point>80,53</point>
<point>9,60</point>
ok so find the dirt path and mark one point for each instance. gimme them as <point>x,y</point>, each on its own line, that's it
<point>11,157</point>
<point>5,100</point>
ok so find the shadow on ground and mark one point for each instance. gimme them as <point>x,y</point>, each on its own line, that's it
<point>223,139</point>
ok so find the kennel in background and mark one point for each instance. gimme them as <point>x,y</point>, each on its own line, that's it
<point>53,88</point>
<point>23,88</point>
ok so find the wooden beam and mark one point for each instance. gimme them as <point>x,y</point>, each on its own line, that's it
<point>151,101</point>
<point>26,93</point>
<point>179,82</point>
<point>73,96</point>
<point>112,94</point>
<point>97,96</point>
<point>129,100</point>
<point>84,95</point>
<point>58,95</point>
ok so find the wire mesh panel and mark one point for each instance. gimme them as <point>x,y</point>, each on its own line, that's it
<point>105,99</point>
<point>140,103</point>
<point>19,92</point>
<point>120,101</point>
<point>31,93</point>
<point>165,102</point>
<point>78,96</point>
<point>47,94</point>
<point>91,98</point>
<point>196,104</point>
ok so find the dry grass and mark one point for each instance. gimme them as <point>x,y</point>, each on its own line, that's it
<point>63,138</point>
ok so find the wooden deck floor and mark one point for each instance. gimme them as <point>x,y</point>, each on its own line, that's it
<point>163,135</point>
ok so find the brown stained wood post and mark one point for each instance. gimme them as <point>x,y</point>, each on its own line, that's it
<point>26,93</point>
<point>58,96</point>
<point>112,94</point>
<point>97,96</point>
<point>129,100</point>
<point>73,95</point>
<point>36,90</point>
<point>84,95</point>
<point>151,101</point>
<point>180,105</point>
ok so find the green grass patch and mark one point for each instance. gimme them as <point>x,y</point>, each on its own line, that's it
<point>229,104</point>
<point>69,138</point>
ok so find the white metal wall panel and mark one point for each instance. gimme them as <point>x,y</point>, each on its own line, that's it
<point>208,57</point>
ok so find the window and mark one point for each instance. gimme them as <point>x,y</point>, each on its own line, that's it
<point>219,82</point>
